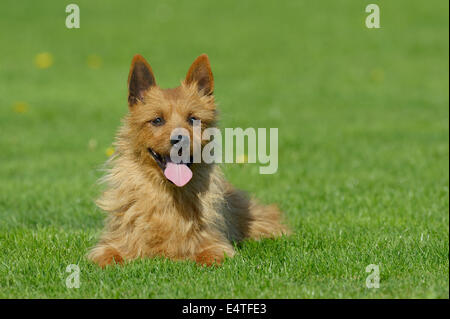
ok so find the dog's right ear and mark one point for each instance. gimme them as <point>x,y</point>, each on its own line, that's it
<point>140,79</point>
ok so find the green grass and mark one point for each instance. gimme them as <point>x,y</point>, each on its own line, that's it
<point>363,142</point>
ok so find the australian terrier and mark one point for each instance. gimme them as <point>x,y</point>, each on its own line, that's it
<point>157,207</point>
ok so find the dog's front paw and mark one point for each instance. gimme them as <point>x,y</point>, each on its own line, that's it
<point>105,255</point>
<point>206,258</point>
<point>213,256</point>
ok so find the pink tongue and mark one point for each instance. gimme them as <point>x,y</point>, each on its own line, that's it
<point>179,174</point>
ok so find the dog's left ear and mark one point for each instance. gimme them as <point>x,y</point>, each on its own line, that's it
<point>200,73</point>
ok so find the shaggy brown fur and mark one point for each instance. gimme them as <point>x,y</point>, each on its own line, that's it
<point>148,215</point>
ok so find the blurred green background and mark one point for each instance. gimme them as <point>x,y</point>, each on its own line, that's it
<point>363,141</point>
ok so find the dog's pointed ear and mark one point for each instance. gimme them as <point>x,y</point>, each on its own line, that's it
<point>200,73</point>
<point>140,79</point>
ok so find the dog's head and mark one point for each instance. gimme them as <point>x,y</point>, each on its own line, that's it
<point>160,120</point>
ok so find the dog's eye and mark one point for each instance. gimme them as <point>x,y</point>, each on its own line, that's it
<point>191,119</point>
<point>157,121</point>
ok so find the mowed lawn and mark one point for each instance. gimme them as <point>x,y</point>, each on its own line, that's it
<point>362,114</point>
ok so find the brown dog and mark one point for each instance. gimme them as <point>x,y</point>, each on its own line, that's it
<point>148,214</point>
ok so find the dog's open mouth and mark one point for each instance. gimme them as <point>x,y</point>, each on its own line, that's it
<point>178,173</point>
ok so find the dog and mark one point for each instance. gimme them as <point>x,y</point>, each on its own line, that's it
<point>175,210</point>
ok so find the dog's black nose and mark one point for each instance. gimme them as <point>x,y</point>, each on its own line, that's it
<point>178,138</point>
